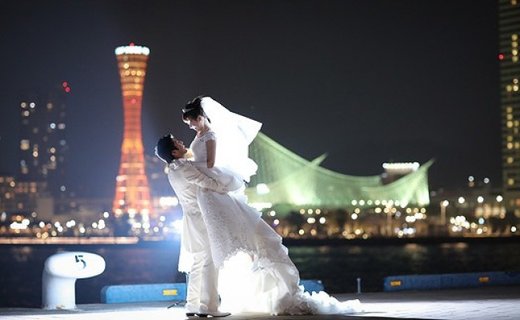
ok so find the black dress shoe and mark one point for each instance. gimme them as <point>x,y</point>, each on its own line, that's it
<point>214,314</point>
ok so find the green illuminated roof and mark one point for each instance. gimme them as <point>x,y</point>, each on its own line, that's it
<point>283,177</point>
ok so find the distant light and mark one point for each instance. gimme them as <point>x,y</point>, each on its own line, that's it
<point>132,49</point>
<point>501,56</point>
<point>461,200</point>
<point>262,188</point>
<point>499,198</point>
<point>401,166</point>
<point>166,202</point>
<point>65,84</point>
<point>67,89</point>
<point>486,180</point>
<point>471,178</point>
<point>177,225</point>
<point>480,199</point>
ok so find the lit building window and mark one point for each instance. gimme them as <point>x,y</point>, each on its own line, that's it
<point>509,109</point>
<point>509,160</point>
<point>26,113</point>
<point>23,105</point>
<point>510,145</point>
<point>49,106</point>
<point>509,88</point>
<point>509,124</point>
<point>510,181</point>
<point>513,2</point>
<point>61,126</point>
<point>25,144</point>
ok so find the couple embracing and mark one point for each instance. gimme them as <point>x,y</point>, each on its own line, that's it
<point>235,261</point>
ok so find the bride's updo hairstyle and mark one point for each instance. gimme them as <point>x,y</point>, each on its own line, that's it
<point>164,148</point>
<point>193,109</point>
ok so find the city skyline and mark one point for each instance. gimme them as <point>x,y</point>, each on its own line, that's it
<point>425,88</point>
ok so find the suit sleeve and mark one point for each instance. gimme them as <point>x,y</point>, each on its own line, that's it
<point>193,175</point>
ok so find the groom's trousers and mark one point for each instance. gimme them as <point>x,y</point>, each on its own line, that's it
<point>202,294</point>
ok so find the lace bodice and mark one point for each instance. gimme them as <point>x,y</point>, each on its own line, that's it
<point>198,147</point>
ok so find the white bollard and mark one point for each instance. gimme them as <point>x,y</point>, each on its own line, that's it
<point>59,277</point>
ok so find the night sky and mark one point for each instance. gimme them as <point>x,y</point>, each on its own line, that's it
<point>364,81</point>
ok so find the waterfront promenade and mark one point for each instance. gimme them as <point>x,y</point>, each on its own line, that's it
<point>497,303</point>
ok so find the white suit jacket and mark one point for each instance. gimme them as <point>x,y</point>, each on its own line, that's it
<point>185,180</point>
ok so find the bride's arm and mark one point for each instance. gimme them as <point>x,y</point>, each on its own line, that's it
<point>211,150</point>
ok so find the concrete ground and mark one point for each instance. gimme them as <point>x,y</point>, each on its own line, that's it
<point>496,303</point>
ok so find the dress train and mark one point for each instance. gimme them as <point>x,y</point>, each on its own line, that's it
<point>256,273</point>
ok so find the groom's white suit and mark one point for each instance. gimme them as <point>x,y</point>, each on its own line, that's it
<point>195,254</point>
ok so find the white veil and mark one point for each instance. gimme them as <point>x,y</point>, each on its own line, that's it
<point>234,134</point>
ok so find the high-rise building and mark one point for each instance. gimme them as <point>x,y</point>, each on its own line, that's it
<point>132,195</point>
<point>509,39</point>
<point>43,145</point>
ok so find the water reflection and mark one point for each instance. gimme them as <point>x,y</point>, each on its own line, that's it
<point>21,254</point>
<point>337,266</point>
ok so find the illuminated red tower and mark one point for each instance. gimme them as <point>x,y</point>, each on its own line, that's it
<point>132,192</point>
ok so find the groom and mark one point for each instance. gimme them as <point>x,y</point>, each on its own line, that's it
<point>195,257</point>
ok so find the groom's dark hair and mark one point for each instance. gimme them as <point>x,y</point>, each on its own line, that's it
<point>164,148</point>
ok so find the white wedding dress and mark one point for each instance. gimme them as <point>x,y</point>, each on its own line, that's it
<point>256,273</point>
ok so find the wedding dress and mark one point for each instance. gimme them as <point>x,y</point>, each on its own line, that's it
<point>256,273</point>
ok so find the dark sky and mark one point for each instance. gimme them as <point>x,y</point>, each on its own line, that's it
<point>365,81</point>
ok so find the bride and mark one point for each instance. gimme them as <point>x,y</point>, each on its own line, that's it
<point>256,273</point>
